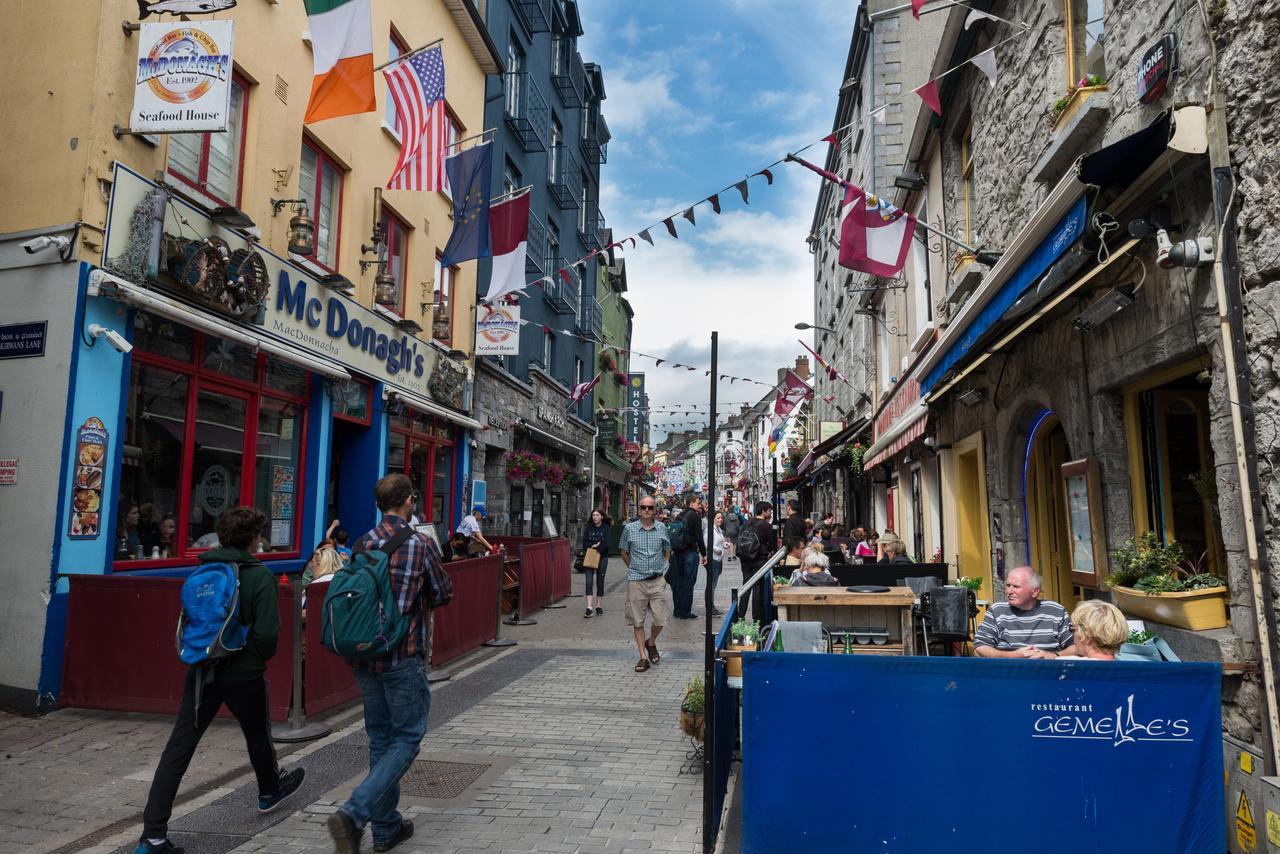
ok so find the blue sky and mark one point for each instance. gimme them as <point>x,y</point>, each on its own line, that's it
<point>701,93</point>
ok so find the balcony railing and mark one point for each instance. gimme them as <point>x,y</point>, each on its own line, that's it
<point>595,138</point>
<point>591,319</point>
<point>536,13</point>
<point>526,110</point>
<point>569,78</point>
<point>588,222</point>
<point>536,248</point>
<point>564,181</point>
<point>560,295</point>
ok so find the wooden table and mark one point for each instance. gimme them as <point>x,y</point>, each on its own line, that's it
<point>841,610</point>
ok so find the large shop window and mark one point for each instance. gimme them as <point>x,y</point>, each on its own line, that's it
<point>209,425</point>
<point>321,185</point>
<point>211,162</point>
<point>422,447</point>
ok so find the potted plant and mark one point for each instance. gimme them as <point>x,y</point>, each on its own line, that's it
<point>974,584</point>
<point>781,581</point>
<point>743,635</point>
<point>1154,580</point>
<point>693,707</point>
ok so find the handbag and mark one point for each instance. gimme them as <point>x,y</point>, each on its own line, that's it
<point>591,558</point>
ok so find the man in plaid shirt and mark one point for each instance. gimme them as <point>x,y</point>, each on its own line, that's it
<point>396,697</point>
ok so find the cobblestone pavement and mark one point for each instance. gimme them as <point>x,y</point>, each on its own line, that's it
<point>584,755</point>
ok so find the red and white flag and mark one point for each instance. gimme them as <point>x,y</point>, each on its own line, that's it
<point>874,238</point>
<point>581,390</point>
<point>792,392</point>
<point>509,237</point>
<point>416,85</point>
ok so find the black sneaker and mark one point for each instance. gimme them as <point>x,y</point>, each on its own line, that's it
<point>290,781</point>
<point>166,847</point>
<point>586,614</point>
<point>346,836</point>
<point>599,612</point>
<point>406,830</point>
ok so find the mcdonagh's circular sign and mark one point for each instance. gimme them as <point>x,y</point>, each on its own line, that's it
<point>498,331</point>
<point>184,77</point>
<point>183,64</point>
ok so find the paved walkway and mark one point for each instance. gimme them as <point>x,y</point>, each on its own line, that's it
<point>552,745</point>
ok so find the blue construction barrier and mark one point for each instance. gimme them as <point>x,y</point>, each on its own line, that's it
<point>868,753</point>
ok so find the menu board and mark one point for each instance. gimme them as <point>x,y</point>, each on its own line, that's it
<point>90,475</point>
<point>281,505</point>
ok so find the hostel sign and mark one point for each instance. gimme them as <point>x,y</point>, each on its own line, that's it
<point>183,80</point>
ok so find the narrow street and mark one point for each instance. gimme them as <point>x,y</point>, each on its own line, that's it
<point>551,745</point>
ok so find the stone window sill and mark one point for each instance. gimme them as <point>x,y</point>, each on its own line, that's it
<point>1075,129</point>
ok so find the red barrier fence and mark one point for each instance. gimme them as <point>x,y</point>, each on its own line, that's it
<point>562,570</point>
<point>327,680</point>
<point>471,618</point>
<point>535,575</point>
<point>120,652</point>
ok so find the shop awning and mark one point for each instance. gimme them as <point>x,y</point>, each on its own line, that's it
<point>847,433</point>
<point>427,407</point>
<point>103,283</point>
<point>1134,162</point>
<point>790,482</point>
<point>805,463</point>
<point>548,438</point>
<point>905,430</point>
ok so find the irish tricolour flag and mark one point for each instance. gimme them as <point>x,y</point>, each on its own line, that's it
<point>342,46</point>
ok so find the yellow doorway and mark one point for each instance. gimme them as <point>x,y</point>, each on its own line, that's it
<point>973,544</point>
<point>1044,496</point>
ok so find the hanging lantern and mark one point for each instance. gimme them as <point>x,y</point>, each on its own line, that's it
<point>302,232</point>
<point>384,289</point>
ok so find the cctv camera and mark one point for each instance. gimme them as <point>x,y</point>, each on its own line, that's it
<point>115,339</point>
<point>43,242</point>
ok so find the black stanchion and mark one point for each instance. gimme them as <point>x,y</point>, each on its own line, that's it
<point>297,728</point>
<point>498,639</point>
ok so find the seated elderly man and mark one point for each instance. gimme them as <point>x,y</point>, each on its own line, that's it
<point>1024,626</point>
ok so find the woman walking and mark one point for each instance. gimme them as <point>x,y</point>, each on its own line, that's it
<point>595,539</point>
<point>716,558</point>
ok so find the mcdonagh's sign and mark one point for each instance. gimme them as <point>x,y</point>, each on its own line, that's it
<point>298,309</point>
<point>183,80</point>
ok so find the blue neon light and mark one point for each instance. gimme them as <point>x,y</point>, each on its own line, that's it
<point>1026,465</point>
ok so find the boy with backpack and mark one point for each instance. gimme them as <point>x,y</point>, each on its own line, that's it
<point>376,615</point>
<point>230,626</point>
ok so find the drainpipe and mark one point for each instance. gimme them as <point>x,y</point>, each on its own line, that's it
<point>1226,279</point>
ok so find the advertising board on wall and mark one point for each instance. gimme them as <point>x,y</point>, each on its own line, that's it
<point>498,330</point>
<point>183,80</point>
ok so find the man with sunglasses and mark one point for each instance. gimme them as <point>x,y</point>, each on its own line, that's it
<point>646,550</point>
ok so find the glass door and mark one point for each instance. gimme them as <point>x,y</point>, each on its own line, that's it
<point>218,453</point>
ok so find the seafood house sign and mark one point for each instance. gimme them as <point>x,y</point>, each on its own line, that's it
<point>183,80</point>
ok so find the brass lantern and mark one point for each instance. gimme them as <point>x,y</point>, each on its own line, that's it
<point>302,232</point>
<point>384,288</point>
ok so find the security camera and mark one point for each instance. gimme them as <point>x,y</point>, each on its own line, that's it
<point>44,241</point>
<point>1193,252</point>
<point>115,339</point>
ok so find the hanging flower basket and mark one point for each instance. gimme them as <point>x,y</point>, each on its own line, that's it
<point>523,465</point>
<point>606,362</point>
<point>857,454</point>
<point>619,378</point>
<point>552,474</point>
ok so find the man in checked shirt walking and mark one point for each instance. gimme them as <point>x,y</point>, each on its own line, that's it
<point>646,550</point>
<point>396,698</point>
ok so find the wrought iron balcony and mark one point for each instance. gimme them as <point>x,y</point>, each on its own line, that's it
<point>559,294</point>
<point>588,222</point>
<point>595,137</point>
<point>526,110</point>
<point>564,181</point>
<point>591,319</point>
<point>536,247</point>
<point>568,75</point>
<point>536,13</point>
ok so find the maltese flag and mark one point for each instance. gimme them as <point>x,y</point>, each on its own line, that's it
<point>874,238</point>
<point>509,238</point>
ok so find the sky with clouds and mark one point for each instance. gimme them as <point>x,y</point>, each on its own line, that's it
<point>701,93</point>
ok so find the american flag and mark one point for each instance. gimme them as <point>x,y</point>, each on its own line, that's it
<point>416,86</point>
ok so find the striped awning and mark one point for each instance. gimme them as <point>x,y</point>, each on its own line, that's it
<point>909,427</point>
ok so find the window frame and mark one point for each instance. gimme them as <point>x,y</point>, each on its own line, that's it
<point>453,133</point>
<point>966,180</point>
<point>445,308</point>
<point>323,159</point>
<point>200,184</point>
<point>432,441</point>
<point>391,116</point>
<point>202,379</point>
<point>395,221</point>
<point>1074,42</point>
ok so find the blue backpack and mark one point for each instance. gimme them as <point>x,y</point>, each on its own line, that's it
<point>209,626</point>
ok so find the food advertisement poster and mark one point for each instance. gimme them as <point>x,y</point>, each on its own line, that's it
<point>90,474</point>
<point>183,80</point>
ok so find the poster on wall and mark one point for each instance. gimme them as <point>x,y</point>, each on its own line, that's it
<point>183,81</point>
<point>90,474</point>
<point>498,330</point>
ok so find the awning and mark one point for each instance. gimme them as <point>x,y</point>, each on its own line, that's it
<point>427,407</point>
<point>102,282</point>
<point>548,439</point>
<point>790,482</point>
<point>1054,228</point>
<point>847,433</point>
<point>805,463</point>
<point>909,427</point>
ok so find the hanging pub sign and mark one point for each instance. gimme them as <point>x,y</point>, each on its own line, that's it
<point>183,80</point>
<point>498,330</point>
<point>1154,69</point>
<point>634,428</point>
<point>182,7</point>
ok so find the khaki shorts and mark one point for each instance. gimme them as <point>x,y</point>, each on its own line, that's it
<point>651,597</point>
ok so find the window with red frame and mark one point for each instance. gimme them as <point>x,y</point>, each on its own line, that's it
<point>396,232</point>
<point>209,425</point>
<point>211,162</point>
<point>422,447</point>
<point>442,317</point>
<point>395,47</point>
<point>452,133</point>
<point>320,183</point>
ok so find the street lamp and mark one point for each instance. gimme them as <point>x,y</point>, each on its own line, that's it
<point>804,326</point>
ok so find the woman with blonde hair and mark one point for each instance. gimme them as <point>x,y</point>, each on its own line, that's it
<point>1100,629</point>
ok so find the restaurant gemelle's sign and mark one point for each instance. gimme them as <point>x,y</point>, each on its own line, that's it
<point>183,80</point>
<point>298,309</point>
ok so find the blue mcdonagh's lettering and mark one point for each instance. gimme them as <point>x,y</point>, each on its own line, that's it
<point>399,355</point>
<point>205,66</point>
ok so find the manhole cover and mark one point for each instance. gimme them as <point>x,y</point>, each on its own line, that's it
<point>431,778</point>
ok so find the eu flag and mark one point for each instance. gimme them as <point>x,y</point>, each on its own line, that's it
<point>469,173</point>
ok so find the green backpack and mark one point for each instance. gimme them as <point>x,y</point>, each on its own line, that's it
<point>361,619</point>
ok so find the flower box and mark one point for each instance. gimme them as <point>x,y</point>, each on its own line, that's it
<point>1196,610</point>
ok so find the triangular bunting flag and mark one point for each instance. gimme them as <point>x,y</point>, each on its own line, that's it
<point>929,94</point>
<point>976,16</point>
<point>644,235</point>
<point>986,63</point>
<point>768,176</point>
<point>671,227</point>
<point>879,114</point>
<point>715,202</point>
<point>742,188</point>
<point>831,139</point>
<point>564,274</point>
<point>633,242</point>
<point>694,369</point>
<point>688,214</point>
<point>916,6</point>
<point>658,362</point>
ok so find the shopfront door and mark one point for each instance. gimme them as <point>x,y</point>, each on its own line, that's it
<point>536,528</point>
<point>1046,513</point>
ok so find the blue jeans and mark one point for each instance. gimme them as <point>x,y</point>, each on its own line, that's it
<point>396,703</point>
<point>713,574</point>
<point>684,574</point>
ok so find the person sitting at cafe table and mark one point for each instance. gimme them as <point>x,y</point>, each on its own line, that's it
<point>1099,630</point>
<point>1024,626</point>
<point>816,572</point>
<point>795,553</point>
<point>893,549</point>
<point>867,541</point>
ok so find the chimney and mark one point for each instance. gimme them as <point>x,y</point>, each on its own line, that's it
<point>802,367</point>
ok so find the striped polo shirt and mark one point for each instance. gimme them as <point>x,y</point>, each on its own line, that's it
<point>1047,626</point>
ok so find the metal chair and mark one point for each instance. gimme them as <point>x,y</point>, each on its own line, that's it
<point>948,614</point>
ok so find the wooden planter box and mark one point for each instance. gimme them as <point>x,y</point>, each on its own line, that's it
<point>733,664</point>
<point>1196,610</point>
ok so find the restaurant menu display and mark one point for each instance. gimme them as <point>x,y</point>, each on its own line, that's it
<point>86,492</point>
<point>281,505</point>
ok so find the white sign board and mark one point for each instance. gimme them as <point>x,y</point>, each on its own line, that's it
<point>183,80</point>
<point>8,472</point>
<point>498,330</point>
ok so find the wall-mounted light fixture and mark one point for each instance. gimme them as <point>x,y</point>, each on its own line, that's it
<point>973,396</point>
<point>384,289</point>
<point>909,181</point>
<point>1105,307</point>
<point>302,230</point>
